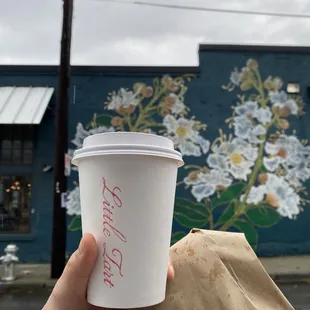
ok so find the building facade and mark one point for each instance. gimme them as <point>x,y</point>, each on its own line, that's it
<point>239,119</point>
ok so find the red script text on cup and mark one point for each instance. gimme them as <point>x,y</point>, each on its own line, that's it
<point>114,260</point>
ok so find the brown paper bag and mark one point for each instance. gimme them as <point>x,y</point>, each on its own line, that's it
<point>219,271</point>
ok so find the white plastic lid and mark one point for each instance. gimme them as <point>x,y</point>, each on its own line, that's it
<point>127,143</point>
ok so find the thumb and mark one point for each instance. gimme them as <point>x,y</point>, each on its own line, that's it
<point>74,280</point>
<point>80,266</point>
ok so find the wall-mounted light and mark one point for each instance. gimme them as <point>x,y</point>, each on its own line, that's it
<point>293,88</point>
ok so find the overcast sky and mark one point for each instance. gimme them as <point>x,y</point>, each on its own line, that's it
<point>116,34</point>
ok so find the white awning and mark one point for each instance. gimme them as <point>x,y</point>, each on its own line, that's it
<point>24,105</point>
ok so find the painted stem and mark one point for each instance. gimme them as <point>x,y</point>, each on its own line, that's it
<point>231,221</point>
<point>146,109</point>
<point>253,178</point>
<point>129,123</point>
<point>121,127</point>
<point>150,125</point>
<point>193,167</point>
<point>259,162</point>
<point>242,209</point>
<point>261,88</point>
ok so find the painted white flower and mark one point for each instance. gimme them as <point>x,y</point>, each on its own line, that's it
<point>235,78</point>
<point>263,115</point>
<point>82,133</point>
<point>256,195</point>
<point>280,195</point>
<point>278,96</point>
<point>281,100</point>
<point>271,163</point>
<point>70,153</point>
<point>290,154</point>
<point>243,126</point>
<point>249,121</point>
<point>287,151</point>
<point>246,130</point>
<point>299,172</point>
<point>124,99</point>
<point>249,108</point>
<point>181,131</point>
<point>255,133</point>
<point>218,161</point>
<point>73,202</point>
<point>206,184</point>
<point>235,157</point>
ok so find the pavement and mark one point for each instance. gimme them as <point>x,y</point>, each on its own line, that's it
<point>33,286</point>
<point>287,266</point>
<point>34,297</point>
<point>29,298</point>
<point>31,275</point>
<point>297,293</point>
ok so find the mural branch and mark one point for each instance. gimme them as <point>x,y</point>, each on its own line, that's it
<point>254,174</point>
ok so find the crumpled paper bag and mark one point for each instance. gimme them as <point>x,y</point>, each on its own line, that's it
<point>219,271</point>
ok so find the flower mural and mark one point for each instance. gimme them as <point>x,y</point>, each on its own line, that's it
<point>158,108</point>
<point>255,174</point>
<point>185,135</point>
<point>255,171</point>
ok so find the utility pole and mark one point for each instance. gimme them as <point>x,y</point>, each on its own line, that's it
<point>61,139</point>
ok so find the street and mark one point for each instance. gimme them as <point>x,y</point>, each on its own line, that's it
<point>33,298</point>
<point>298,294</point>
<point>30,298</point>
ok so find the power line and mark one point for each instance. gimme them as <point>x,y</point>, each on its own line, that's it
<point>203,9</point>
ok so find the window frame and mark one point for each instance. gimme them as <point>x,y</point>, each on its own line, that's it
<point>19,169</point>
<point>29,224</point>
<point>25,135</point>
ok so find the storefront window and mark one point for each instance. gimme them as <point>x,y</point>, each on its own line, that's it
<point>16,146</point>
<point>15,194</point>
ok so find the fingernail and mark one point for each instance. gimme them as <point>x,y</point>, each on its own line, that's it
<point>81,247</point>
<point>171,271</point>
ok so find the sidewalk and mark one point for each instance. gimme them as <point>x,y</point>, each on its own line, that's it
<point>282,269</point>
<point>287,267</point>
<point>33,285</point>
<point>31,275</point>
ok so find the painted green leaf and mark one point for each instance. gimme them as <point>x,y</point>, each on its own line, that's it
<point>177,236</point>
<point>228,213</point>
<point>190,214</point>
<point>263,169</point>
<point>229,194</point>
<point>103,120</point>
<point>249,231</point>
<point>263,216</point>
<point>75,224</point>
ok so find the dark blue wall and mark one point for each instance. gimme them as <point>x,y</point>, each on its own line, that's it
<point>36,246</point>
<point>206,99</point>
<point>289,237</point>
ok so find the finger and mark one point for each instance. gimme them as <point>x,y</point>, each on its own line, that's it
<point>78,269</point>
<point>171,271</point>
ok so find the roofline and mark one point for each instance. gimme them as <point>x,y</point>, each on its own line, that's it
<point>100,69</point>
<point>255,48</point>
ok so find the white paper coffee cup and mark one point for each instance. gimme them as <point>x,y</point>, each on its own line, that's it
<point>127,188</point>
